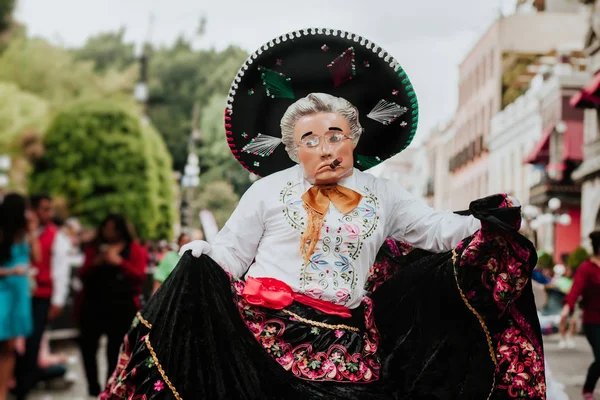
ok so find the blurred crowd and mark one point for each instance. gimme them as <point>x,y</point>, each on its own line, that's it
<point>58,273</point>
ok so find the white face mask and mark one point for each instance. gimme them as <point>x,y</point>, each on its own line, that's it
<point>321,139</point>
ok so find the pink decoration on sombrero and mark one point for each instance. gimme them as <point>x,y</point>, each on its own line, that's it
<point>342,68</point>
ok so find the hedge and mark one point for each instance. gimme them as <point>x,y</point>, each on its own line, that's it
<point>101,158</point>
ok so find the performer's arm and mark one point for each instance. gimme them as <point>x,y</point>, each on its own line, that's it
<point>233,253</point>
<point>236,244</point>
<point>412,221</point>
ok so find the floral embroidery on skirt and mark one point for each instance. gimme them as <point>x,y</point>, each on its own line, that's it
<point>314,352</point>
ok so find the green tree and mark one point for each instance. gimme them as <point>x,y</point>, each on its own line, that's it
<point>162,180</point>
<point>181,77</point>
<point>6,9</point>
<point>19,111</point>
<point>545,260</point>
<point>217,197</point>
<point>577,256</point>
<point>100,158</point>
<point>107,50</point>
<point>52,73</point>
<point>21,114</point>
<point>215,157</point>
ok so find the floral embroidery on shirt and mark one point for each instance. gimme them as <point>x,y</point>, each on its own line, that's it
<point>330,269</point>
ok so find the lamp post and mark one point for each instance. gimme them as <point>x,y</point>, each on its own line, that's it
<point>189,181</point>
<point>5,164</point>
<point>140,90</point>
<point>536,219</point>
<point>555,218</point>
<point>191,172</point>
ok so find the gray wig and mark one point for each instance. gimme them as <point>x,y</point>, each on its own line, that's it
<point>317,103</point>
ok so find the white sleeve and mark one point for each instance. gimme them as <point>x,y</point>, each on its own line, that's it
<point>60,269</point>
<point>235,246</point>
<point>412,221</point>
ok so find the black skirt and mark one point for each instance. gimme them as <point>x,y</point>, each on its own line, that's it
<point>456,325</point>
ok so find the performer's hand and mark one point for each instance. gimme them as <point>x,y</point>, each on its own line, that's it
<point>513,201</point>
<point>198,247</point>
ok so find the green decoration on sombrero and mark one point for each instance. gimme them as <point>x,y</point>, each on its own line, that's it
<point>367,162</point>
<point>316,60</point>
<point>276,84</point>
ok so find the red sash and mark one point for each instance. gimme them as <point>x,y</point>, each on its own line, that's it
<point>275,294</point>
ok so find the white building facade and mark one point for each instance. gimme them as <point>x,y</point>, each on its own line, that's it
<point>514,133</point>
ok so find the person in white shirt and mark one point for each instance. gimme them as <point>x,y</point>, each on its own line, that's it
<point>311,254</point>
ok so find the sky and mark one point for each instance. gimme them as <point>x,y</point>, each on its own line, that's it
<point>428,37</point>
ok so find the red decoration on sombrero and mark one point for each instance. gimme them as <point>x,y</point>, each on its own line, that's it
<point>342,68</point>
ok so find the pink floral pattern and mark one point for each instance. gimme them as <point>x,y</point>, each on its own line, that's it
<point>504,270</point>
<point>383,269</point>
<point>520,367</point>
<point>159,385</point>
<point>118,380</point>
<point>120,385</point>
<point>304,358</point>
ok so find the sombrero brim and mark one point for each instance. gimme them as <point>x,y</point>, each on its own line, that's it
<point>319,60</point>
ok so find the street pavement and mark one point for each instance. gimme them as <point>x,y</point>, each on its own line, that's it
<point>568,367</point>
<point>77,390</point>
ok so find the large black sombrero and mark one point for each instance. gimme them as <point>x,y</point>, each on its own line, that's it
<point>319,60</point>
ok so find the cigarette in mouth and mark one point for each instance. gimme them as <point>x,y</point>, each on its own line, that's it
<point>335,163</point>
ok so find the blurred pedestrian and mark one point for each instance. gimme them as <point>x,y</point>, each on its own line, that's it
<point>73,230</point>
<point>540,275</point>
<point>162,250</point>
<point>52,286</point>
<point>18,247</point>
<point>112,275</point>
<point>586,285</point>
<point>168,263</point>
<point>567,327</point>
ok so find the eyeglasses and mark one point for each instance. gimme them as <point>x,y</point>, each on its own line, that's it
<point>332,138</point>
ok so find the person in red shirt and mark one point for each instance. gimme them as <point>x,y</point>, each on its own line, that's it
<point>51,291</point>
<point>113,275</point>
<point>586,285</point>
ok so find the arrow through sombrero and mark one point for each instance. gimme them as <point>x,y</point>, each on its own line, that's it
<point>331,61</point>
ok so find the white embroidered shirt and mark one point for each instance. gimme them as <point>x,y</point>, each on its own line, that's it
<point>262,236</point>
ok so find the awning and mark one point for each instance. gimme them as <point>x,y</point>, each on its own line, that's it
<point>589,96</point>
<point>573,141</point>
<point>541,151</point>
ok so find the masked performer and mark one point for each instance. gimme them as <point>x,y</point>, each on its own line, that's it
<point>312,289</point>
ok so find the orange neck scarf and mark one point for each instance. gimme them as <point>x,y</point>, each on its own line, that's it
<point>316,203</point>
